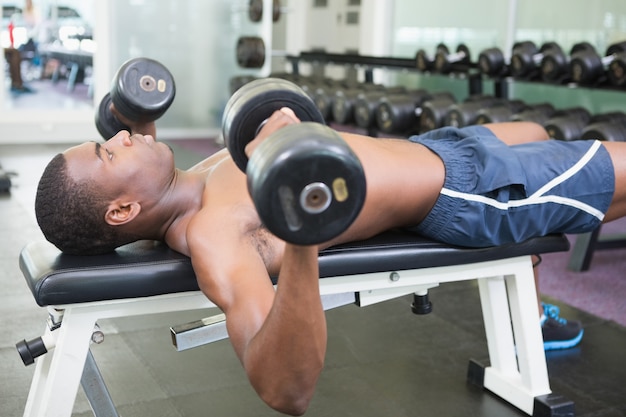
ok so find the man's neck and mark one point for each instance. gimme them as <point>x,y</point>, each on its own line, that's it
<point>183,201</point>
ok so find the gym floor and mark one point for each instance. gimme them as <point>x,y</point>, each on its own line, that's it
<point>382,360</point>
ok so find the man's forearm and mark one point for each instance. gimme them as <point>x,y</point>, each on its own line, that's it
<point>286,356</point>
<point>147,128</point>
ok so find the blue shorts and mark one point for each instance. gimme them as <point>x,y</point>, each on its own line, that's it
<point>495,194</point>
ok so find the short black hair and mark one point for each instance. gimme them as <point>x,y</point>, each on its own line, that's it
<point>71,214</point>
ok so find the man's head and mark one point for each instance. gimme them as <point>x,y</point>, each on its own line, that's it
<point>89,196</point>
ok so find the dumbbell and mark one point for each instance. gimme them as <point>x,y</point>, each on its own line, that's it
<point>537,113</point>
<point>344,100</point>
<point>367,102</point>
<point>491,62</point>
<point>307,185</point>
<point>323,96</point>
<point>255,10</point>
<point>465,113</point>
<point>568,124</point>
<point>526,58</point>
<point>142,90</point>
<point>555,64</point>
<point>434,111</point>
<point>501,111</point>
<point>446,62</point>
<point>587,67</point>
<point>617,70</point>
<point>399,113</point>
<point>250,52</point>
<point>426,62</point>
<point>609,127</point>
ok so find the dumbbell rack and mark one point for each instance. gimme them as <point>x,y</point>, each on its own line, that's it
<point>319,59</point>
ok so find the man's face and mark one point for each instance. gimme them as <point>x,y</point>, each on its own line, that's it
<point>123,164</point>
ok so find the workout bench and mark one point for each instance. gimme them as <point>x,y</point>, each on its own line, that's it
<point>147,277</point>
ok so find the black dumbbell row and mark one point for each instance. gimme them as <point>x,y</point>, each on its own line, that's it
<point>577,123</point>
<point>400,111</point>
<point>549,63</point>
<point>443,61</point>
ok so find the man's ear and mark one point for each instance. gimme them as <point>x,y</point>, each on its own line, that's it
<point>121,213</point>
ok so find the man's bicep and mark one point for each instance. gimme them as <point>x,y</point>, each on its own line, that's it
<point>236,280</point>
<point>514,133</point>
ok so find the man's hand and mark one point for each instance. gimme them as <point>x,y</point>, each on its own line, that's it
<point>280,118</point>
<point>136,126</point>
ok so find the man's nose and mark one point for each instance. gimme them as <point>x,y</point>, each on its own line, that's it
<point>122,137</point>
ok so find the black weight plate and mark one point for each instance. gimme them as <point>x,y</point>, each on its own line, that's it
<point>423,61</point>
<point>491,61</point>
<point>553,65</point>
<point>255,10</point>
<point>143,89</point>
<point>434,113</point>
<point>464,50</point>
<point>301,156</point>
<point>609,132</point>
<point>585,67</point>
<point>523,58</point>
<point>565,128</point>
<point>343,106</point>
<point>582,47</point>
<point>527,45</point>
<point>616,48</point>
<point>550,46</point>
<point>250,52</point>
<point>442,47</point>
<point>253,103</point>
<point>617,70</point>
<point>396,113</point>
<point>107,124</point>
<point>365,107</point>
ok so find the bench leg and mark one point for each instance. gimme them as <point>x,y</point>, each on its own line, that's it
<point>518,372</point>
<point>58,373</point>
<point>96,390</point>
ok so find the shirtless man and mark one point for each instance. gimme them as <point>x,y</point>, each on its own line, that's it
<point>206,213</point>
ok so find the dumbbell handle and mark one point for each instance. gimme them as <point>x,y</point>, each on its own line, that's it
<point>456,56</point>
<point>537,58</point>
<point>606,61</point>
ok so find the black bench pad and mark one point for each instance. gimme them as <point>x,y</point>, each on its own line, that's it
<point>150,268</point>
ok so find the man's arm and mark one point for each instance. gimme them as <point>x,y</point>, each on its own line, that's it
<point>280,337</point>
<point>513,133</point>
<point>136,126</point>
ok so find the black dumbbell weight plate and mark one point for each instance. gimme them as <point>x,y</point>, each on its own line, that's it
<point>617,70</point>
<point>252,104</point>
<point>250,52</point>
<point>307,184</point>
<point>255,10</point>
<point>143,89</point>
<point>491,61</point>
<point>107,124</point>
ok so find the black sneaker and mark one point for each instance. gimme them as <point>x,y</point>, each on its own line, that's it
<point>559,333</point>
